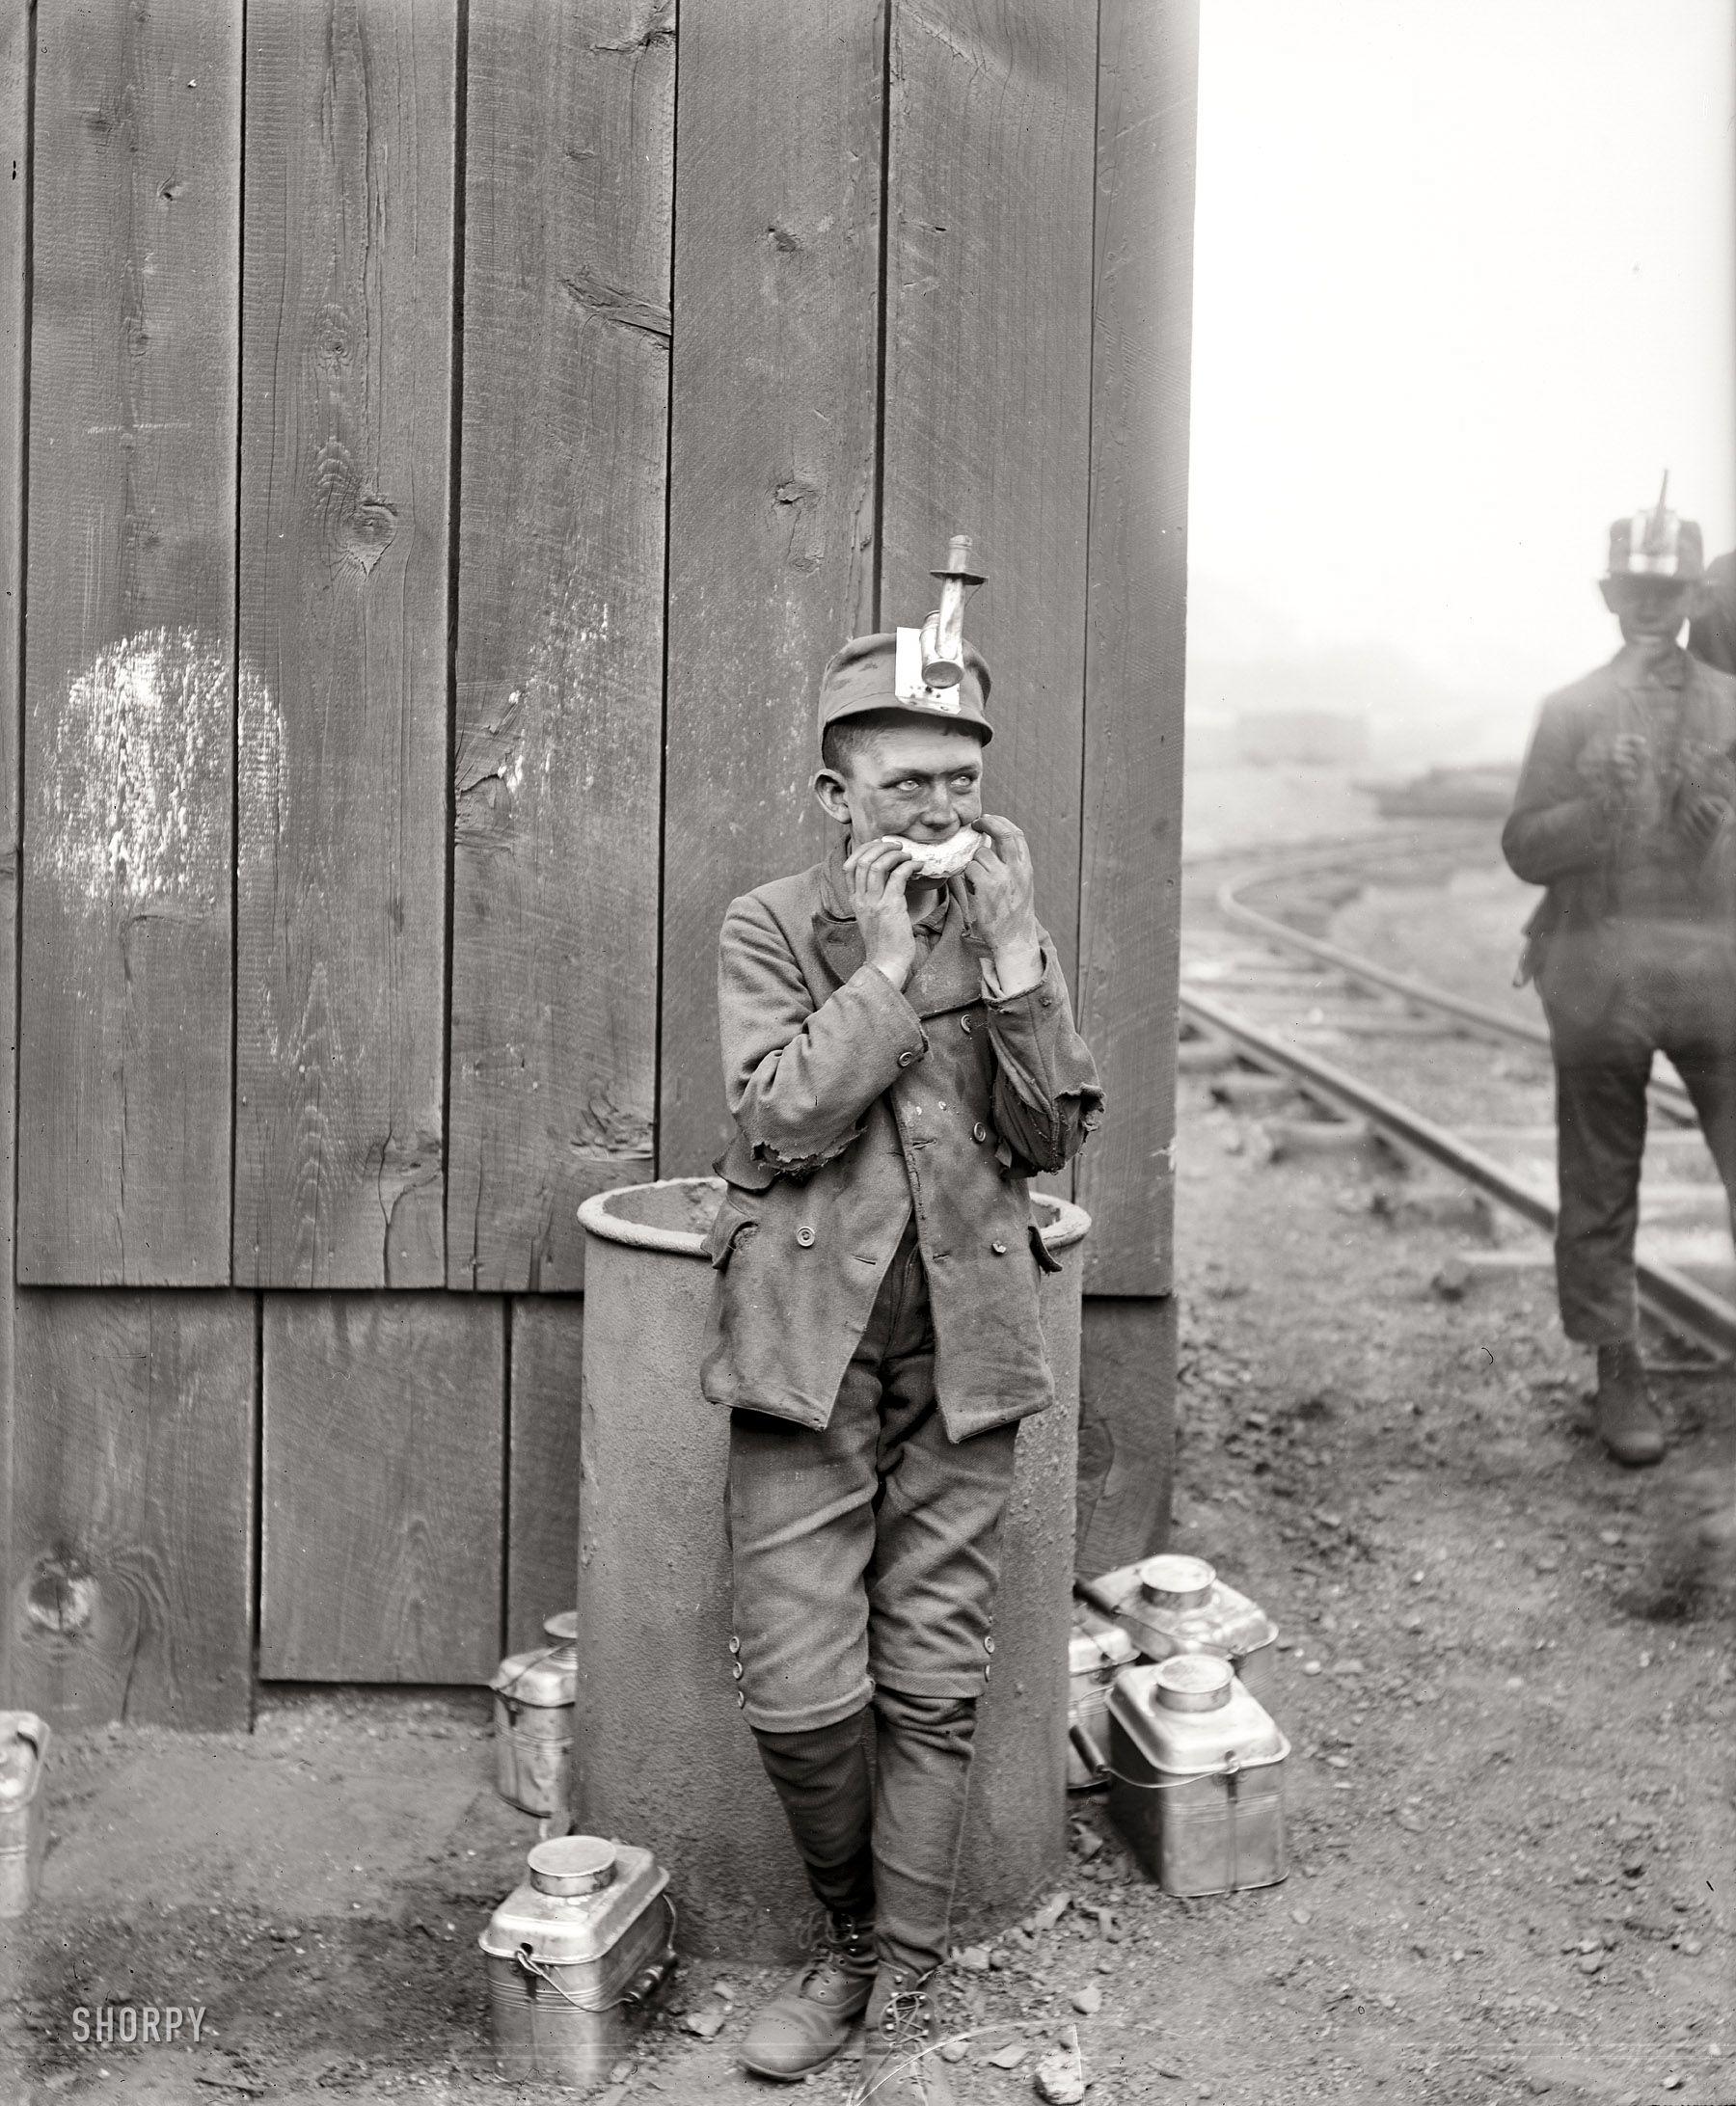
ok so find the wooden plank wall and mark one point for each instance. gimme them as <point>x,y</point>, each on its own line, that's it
<point>15,255</point>
<point>774,538</point>
<point>125,1159</point>
<point>560,632</point>
<point>988,390</point>
<point>135,1503</point>
<point>1136,669</point>
<point>383,1436</point>
<point>451,459</point>
<point>341,804</point>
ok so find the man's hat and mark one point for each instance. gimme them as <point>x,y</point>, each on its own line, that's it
<point>1657,544</point>
<point>884,672</point>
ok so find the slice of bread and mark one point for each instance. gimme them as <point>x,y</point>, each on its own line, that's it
<point>941,858</point>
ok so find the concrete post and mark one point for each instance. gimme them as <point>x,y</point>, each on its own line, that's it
<point>662,1756</point>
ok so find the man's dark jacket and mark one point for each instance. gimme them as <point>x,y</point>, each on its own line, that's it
<point>1712,635</point>
<point>854,1102</point>
<point>1572,828</point>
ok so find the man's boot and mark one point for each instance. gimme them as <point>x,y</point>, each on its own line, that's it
<point>1626,1418</point>
<point>901,2037</point>
<point>810,2018</point>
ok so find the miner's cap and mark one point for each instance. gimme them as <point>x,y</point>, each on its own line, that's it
<point>864,677</point>
<point>1656,542</point>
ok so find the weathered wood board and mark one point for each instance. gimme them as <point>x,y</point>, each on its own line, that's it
<point>15,222</point>
<point>1135,649</point>
<point>987,378</point>
<point>132,1585</point>
<point>384,1452</point>
<point>347,333</point>
<point>542,1497</point>
<point>123,1175</point>
<point>568,180</point>
<point>1126,1431</point>
<point>771,525</point>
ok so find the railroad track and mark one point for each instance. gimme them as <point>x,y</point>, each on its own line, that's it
<point>1457,1081</point>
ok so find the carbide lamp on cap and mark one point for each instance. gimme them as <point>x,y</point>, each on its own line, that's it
<point>1658,543</point>
<point>929,671</point>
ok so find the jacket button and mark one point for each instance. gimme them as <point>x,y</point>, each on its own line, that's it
<point>987,1644</point>
<point>736,1670</point>
<point>741,1700</point>
<point>965,1025</point>
<point>906,1057</point>
<point>999,1248</point>
<point>979,1132</point>
<point>735,1645</point>
<point>804,1236</point>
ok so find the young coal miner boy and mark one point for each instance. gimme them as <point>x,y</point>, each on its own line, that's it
<point>900,1058</point>
<point>1623,811</point>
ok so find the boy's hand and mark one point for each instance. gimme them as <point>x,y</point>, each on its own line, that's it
<point>1701,816</point>
<point>998,886</point>
<point>1627,760</point>
<point>879,874</point>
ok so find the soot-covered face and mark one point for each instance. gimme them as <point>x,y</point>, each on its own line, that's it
<point>1651,609</point>
<point>921,781</point>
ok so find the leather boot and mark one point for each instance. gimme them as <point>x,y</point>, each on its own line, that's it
<point>810,2018</point>
<point>901,2065</point>
<point>1626,1418</point>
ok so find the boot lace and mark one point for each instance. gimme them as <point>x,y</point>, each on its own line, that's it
<point>905,2026</point>
<point>838,1944</point>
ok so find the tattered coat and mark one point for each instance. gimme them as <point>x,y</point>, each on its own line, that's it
<point>853,1103</point>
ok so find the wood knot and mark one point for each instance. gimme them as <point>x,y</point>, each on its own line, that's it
<point>372,530</point>
<point>360,524</point>
<point>334,338</point>
<point>62,1594</point>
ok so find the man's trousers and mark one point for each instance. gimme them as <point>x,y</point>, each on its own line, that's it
<point>1614,995</point>
<point>866,1560</point>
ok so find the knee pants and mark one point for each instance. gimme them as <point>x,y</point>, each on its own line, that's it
<point>867,1553</point>
<point>1614,997</point>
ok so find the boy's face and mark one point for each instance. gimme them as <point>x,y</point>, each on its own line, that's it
<point>1651,609</point>
<point>923,781</point>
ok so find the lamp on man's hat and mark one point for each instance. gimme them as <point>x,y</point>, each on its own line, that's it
<point>929,672</point>
<point>1658,543</point>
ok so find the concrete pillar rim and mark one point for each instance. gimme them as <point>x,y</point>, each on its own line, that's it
<point>1067,1222</point>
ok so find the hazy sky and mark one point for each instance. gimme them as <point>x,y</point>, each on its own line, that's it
<point>1465,286</point>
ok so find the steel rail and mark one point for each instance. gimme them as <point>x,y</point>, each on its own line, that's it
<point>1681,1303</point>
<point>1672,1096</point>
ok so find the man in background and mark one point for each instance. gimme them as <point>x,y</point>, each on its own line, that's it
<point>1624,812</point>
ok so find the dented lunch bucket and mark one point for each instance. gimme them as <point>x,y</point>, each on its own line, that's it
<point>23,1809</point>
<point>574,1954</point>
<point>1197,1776</point>
<point>1172,1604</point>
<point>663,1747</point>
<point>533,1725</point>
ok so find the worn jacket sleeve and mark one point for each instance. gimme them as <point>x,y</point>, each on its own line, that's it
<point>1046,1094</point>
<point>800,1079</point>
<point>1559,825</point>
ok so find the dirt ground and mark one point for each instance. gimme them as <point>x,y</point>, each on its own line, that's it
<point>1507,1688</point>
